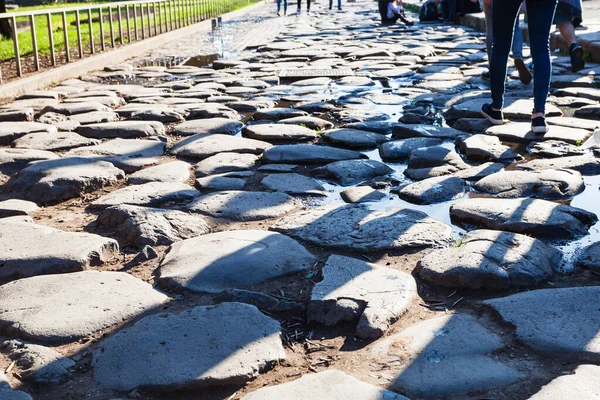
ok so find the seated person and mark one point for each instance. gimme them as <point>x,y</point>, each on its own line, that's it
<point>393,12</point>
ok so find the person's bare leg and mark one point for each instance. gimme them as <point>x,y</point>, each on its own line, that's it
<point>567,31</point>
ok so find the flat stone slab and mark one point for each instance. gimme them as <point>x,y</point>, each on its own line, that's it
<point>208,126</point>
<point>122,129</point>
<point>293,183</point>
<point>586,93</point>
<point>153,194</point>
<point>171,172</point>
<point>308,154</point>
<point>446,356</point>
<point>354,138</point>
<point>7,393</point>
<point>545,184</point>
<point>38,364</point>
<point>528,216</point>
<point>216,345</point>
<point>486,148</point>
<point>279,132</point>
<point>491,259</point>
<point>428,131</point>
<point>14,207</point>
<point>358,228</point>
<point>581,385</point>
<point>399,150</point>
<point>95,117</point>
<point>586,165</point>
<point>520,132</point>
<point>589,112</point>
<point>62,179</point>
<point>479,171</point>
<point>571,122</point>
<point>513,109</point>
<point>432,162</point>
<point>10,131</point>
<point>243,206</point>
<point>590,257</point>
<point>212,110</point>
<point>164,115</point>
<point>231,260</point>
<point>554,149</point>
<point>28,249</point>
<point>143,226</point>
<point>563,320</point>
<point>80,303</point>
<point>19,158</point>
<point>275,114</point>
<point>53,141</point>
<point>361,194</point>
<point>308,122</point>
<point>16,115</point>
<point>326,385</point>
<point>349,172</point>
<point>433,190</point>
<point>225,162</point>
<point>203,146</point>
<point>226,181</point>
<point>353,289</point>
<point>75,108</point>
<point>128,154</point>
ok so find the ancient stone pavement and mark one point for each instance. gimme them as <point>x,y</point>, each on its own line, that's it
<point>320,213</point>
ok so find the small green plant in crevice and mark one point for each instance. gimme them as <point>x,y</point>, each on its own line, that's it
<point>579,142</point>
<point>457,243</point>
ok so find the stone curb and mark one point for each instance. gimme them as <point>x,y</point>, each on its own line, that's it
<point>75,69</point>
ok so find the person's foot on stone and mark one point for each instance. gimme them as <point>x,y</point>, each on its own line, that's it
<point>496,117</point>
<point>524,73</point>
<point>307,12</point>
<point>485,75</point>
<point>577,62</point>
<point>539,125</point>
<point>278,14</point>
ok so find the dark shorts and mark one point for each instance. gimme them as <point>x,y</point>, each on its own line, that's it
<point>566,12</point>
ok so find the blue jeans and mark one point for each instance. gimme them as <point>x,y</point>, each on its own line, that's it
<point>284,6</point>
<point>517,44</point>
<point>540,14</point>
<point>331,4</point>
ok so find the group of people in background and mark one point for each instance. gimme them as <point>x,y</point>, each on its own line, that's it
<point>285,5</point>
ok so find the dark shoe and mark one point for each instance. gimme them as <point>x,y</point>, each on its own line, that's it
<point>496,117</point>
<point>278,14</point>
<point>405,20</point>
<point>485,75</point>
<point>577,63</point>
<point>524,73</point>
<point>330,7</point>
<point>538,125</point>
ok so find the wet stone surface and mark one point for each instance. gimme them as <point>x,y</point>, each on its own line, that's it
<point>319,189</point>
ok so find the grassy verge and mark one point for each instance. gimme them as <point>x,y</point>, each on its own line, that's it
<point>43,36</point>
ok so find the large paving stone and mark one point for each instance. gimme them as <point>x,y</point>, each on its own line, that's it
<point>208,126</point>
<point>19,158</point>
<point>309,154</point>
<point>279,132</point>
<point>587,93</point>
<point>203,146</point>
<point>356,227</point>
<point>275,114</point>
<point>446,356</point>
<point>227,181</point>
<point>556,321</point>
<point>212,110</point>
<point>10,131</point>
<point>571,122</point>
<point>353,289</point>
<point>53,141</point>
<point>75,108</point>
<point>229,343</point>
<point>432,162</point>
<point>27,249</point>
<point>588,112</point>
<point>14,207</point>
<point>6,392</point>
<point>554,149</point>
<point>326,385</point>
<point>545,184</point>
<point>231,260</point>
<point>171,172</point>
<point>293,183</point>
<point>349,172</point>
<point>122,129</point>
<point>399,150</point>
<point>361,194</point>
<point>528,216</point>
<point>94,117</point>
<point>128,154</point>
<point>433,190</point>
<point>152,194</point>
<point>225,162</point>
<point>491,259</point>
<point>427,131</point>
<point>143,226</point>
<point>308,122</point>
<point>354,138</point>
<point>520,132</point>
<point>16,115</point>
<point>243,206</point>
<point>583,384</point>
<point>589,257</point>
<point>66,307</point>
<point>62,179</point>
<point>486,148</point>
<point>479,171</point>
<point>586,165</point>
<point>37,363</point>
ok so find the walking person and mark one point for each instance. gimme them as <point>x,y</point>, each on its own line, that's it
<point>279,7</point>
<point>307,7</point>
<point>517,44</point>
<point>540,14</point>
<point>567,18</point>
<point>339,3</point>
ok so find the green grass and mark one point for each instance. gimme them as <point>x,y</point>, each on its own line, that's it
<point>42,34</point>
